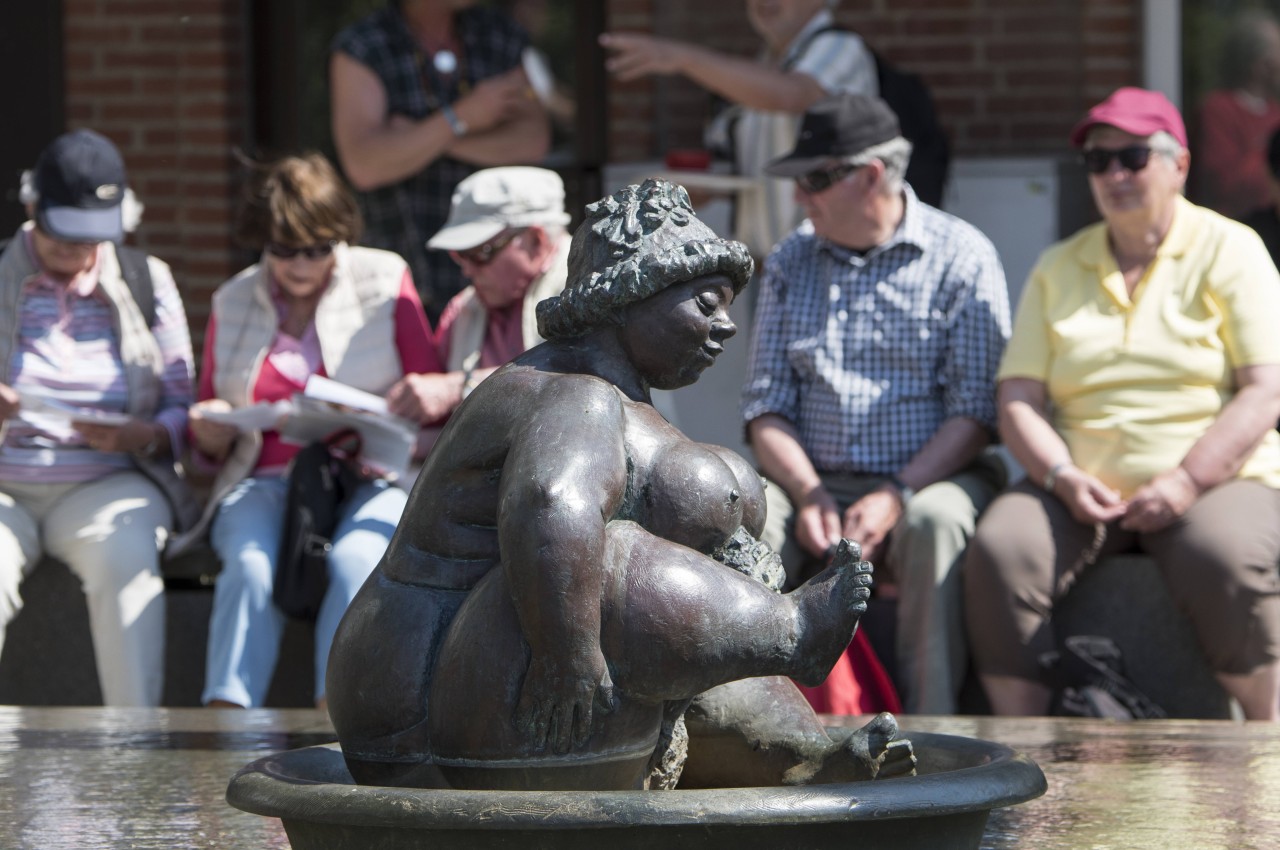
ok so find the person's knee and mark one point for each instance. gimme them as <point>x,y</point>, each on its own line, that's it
<point>248,569</point>
<point>941,512</point>
<point>353,557</point>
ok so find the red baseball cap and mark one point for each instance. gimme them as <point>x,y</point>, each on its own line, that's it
<point>1133,110</point>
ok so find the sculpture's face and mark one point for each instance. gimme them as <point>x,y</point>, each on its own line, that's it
<point>675,334</point>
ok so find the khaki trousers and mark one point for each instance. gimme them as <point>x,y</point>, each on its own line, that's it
<point>1219,562</point>
<point>109,532</point>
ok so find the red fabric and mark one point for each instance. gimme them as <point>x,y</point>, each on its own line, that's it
<point>1232,154</point>
<point>858,684</point>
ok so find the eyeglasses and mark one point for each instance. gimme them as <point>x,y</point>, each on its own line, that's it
<point>482,255</point>
<point>311,252</point>
<point>821,179</point>
<point>1132,158</point>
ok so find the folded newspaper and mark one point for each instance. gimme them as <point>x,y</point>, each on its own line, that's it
<point>326,406</point>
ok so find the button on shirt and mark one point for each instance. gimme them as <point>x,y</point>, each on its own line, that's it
<point>868,354</point>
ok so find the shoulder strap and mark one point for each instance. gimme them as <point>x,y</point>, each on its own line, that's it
<point>137,275</point>
<point>807,43</point>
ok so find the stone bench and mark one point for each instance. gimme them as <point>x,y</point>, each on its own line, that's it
<point>48,652</point>
<point>1125,599</point>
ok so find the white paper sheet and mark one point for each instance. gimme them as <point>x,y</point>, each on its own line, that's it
<point>386,441</point>
<point>326,389</point>
<point>39,410</point>
<point>262,416</point>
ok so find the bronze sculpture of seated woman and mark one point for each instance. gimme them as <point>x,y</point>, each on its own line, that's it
<point>562,585</point>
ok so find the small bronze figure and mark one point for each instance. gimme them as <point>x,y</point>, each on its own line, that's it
<point>569,572</point>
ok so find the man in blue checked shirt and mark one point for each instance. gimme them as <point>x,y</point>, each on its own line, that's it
<point>870,391</point>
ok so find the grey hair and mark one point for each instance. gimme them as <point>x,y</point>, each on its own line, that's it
<point>633,244</point>
<point>895,154</point>
<point>1163,143</point>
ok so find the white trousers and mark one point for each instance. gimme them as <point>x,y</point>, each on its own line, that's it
<point>110,533</point>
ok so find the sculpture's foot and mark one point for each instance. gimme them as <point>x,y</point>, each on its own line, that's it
<point>873,752</point>
<point>829,606</point>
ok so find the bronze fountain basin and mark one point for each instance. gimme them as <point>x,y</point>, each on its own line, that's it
<point>943,807</point>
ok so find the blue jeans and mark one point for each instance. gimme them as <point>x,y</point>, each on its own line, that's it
<point>245,628</point>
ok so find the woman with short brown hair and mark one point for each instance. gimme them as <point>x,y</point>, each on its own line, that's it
<point>313,305</point>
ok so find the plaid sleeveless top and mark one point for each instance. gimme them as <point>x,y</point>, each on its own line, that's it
<point>403,216</point>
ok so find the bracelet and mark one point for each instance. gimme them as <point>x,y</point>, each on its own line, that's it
<point>456,124</point>
<point>1051,477</point>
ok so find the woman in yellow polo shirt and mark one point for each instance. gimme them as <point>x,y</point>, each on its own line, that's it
<point>1140,391</point>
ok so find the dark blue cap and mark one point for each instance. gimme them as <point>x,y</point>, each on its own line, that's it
<point>81,181</point>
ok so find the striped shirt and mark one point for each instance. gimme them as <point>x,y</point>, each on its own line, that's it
<point>68,351</point>
<point>868,354</point>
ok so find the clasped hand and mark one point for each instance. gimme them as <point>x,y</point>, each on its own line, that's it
<point>820,526</point>
<point>1153,506</point>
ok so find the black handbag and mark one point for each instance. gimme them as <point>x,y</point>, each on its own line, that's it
<point>320,479</point>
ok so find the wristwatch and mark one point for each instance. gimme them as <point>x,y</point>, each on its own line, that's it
<point>905,492</point>
<point>456,124</point>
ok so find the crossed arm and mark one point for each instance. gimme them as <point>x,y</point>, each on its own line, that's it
<point>504,125</point>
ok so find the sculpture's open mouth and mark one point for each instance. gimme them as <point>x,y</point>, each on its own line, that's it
<point>945,806</point>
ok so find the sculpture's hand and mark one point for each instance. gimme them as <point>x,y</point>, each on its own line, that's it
<point>558,698</point>
<point>876,751</point>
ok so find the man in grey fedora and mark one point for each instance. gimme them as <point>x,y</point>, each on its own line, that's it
<point>869,398</point>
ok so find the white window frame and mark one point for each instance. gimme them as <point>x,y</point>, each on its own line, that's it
<point>1162,47</point>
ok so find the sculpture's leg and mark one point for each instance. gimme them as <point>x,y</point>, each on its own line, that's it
<point>763,732</point>
<point>686,624</point>
<point>674,624</point>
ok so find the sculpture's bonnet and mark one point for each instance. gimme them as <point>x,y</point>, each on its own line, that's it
<point>638,241</point>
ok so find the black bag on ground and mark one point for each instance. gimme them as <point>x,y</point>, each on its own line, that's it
<point>319,482</point>
<point>1090,681</point>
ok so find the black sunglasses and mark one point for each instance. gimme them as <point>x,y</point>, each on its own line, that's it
<point>1132,158</point>
<point>482,255</point>
<point>821,179</point>
<point>311,252</point>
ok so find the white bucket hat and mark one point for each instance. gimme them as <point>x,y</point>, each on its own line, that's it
<point>496,199</point>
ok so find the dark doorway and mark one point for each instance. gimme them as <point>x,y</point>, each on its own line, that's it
<point>30,51</point>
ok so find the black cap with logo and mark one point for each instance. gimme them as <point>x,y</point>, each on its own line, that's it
<point>81,181</point>
<point>836,127</point>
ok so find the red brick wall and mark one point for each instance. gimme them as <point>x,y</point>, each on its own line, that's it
<point>1009,76</point>
<point>166,82</point>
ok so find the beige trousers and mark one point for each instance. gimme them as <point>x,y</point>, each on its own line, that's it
<point>110,533</point>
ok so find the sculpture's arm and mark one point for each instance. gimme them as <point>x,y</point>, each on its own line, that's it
<point>565,476</point>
